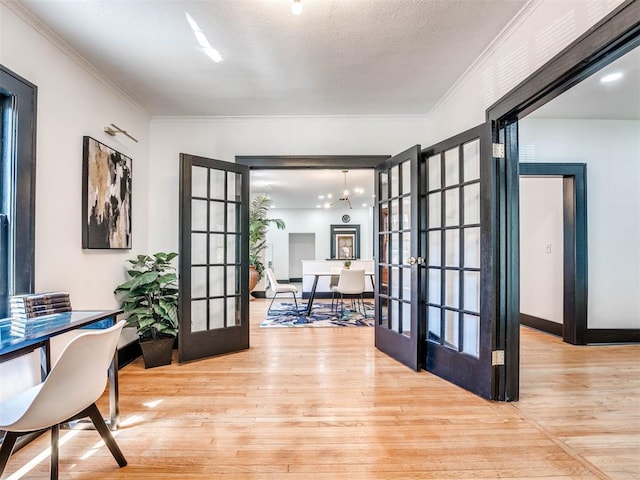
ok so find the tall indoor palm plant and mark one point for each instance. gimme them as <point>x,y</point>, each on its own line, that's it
<point>258,226</point>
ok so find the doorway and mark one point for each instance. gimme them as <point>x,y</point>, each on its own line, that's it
<point>571,192</point>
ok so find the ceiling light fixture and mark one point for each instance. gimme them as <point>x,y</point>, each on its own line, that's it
<point>296,7</point>
<point>211,52</point>
<point>612,77</point>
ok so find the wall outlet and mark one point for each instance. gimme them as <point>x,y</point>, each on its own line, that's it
<point>547,248</point>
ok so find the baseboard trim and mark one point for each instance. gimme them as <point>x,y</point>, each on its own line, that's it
<point>541,324</point>
<point>613,335</point>
<point>128,353</point>
<point>259,294</point>
<point>295,280</point>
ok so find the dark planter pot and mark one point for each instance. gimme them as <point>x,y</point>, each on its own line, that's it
<point>157,352</point>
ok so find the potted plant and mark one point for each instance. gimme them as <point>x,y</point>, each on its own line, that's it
<point>150,298</point>
<point>258,225</point>
<point>347,264</point>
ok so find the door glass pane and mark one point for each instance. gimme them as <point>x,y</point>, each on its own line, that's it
<point>452,207</point>
<point>233,217</point>
<point>233,287</point>
<point>216,313</point>
<point>395,315</point>
<point>394,181</point>
<point>384,281</point>
<point>434,321</point>
<point>406,247</point>
<point>216,281</point>
<point>199,182</point>
<point>471,291</point>
<point>384,218</point>
<point>406,213</point>
<point>434,245</point>
<point>384,248</point>
<point>435,211</point>
<point>199,215</point>
<point>216,248</point>
<point>471,152</point>
<point>471,203</point>
<point>395,282</point>
<point>406,319</point>
<point>406,178</point>
<point>451,167</point>
<point>384,185</point>
<point>471,335</point>
<point>198,248</point>
<point>233,314</point>
<point>216,189</point>
<point>452,248</point>
<point>451,329</point>
<point>198,282</point>
<point>217,217</point>
<point>452,288</point>
<point>434,286</point>
<point>395,248</point>
<point>233,246</point>
<point>406,283</point>
<point>434,172</point>
<point>472,247</point>
<point>198,315</point>
<point>234,186</point>
<point>384,312</point>
<point>395,214</point>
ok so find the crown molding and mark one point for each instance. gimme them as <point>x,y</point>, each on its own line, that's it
<point>33,21</point>
<point>500,39</point>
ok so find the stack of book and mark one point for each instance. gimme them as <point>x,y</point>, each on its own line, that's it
<point>26,310</point>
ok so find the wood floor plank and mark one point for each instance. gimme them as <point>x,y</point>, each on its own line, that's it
<point>316,404</point>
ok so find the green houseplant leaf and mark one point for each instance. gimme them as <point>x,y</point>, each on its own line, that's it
<point>258,226</point>
<point>150,296</point>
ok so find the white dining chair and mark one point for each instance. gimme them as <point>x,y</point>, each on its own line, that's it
<point>69,392</point>
<point>350,284</point>
<point>280,288</point>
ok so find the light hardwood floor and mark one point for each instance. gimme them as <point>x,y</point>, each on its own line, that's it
<point>325,404</point>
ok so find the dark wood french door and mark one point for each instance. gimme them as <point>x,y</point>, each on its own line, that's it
<point>214,270</point>
<point>457,179</point>
<point>397,257</point>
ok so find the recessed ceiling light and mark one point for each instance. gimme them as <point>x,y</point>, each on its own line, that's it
<point>321,197</point>
<point>318,206</point>
<point>296,7</point>
<point>612,77</point>
<point>364,205</point>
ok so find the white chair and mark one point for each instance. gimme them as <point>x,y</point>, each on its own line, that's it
<point>351,284</point>
<point>280,288</point>
<point>69,392</point>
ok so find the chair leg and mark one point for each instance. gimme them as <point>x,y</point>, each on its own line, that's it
<point>105,433</point>
<point>55,443</point>
<point>269,309</point>
<point>296,302</point>
<point>6,448</point>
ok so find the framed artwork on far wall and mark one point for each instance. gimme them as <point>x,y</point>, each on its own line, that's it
<point>106,197</point>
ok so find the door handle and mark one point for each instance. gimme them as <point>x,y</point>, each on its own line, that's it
<point>415,260</point>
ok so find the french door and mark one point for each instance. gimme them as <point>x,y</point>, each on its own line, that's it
<point>435,282</point>
<point>397,257</point>
<point>458,272</point>
<point>213,254</point>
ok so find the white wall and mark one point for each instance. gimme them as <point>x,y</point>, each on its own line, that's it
<point>611,150</point>
<point>224,138</point>
<point>318,221</point>
<point>541,30</point>
<point>541,248</point>
<point>72,102</point>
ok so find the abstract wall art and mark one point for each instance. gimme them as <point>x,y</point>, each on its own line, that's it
<point>106,197</point>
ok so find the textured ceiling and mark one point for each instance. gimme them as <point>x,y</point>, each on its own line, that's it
<point>339,57</point>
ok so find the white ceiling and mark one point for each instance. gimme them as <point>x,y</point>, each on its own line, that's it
<point>339,57</point>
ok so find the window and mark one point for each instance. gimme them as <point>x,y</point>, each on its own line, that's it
<point>17,185</point>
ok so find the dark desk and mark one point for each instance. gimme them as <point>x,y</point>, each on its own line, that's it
<point>12,346</point>
<point>316,276</point>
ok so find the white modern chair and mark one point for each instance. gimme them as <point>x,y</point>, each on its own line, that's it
<point>280,288</point>
<point>351,284</point>
<point>69,392</point>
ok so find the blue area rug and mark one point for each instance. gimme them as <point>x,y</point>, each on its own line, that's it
<point>285,315</point>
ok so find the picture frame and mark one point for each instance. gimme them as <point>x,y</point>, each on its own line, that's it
<point>106,197</point>
<point>345,242</point>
